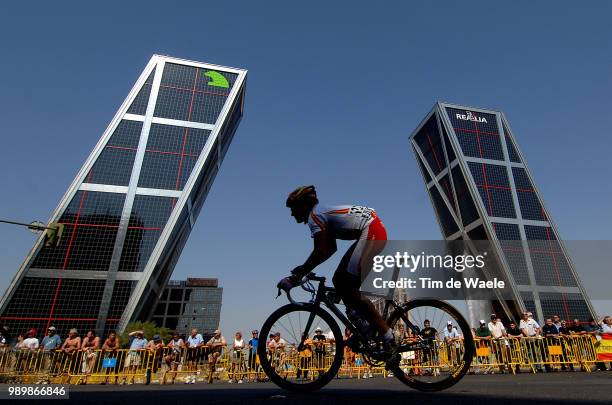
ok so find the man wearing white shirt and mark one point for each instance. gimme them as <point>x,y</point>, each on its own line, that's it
<point>498,331</point>
<point>31,342</point>
<point>529,326</point>
<point>194,341</point>
<point>496,327</point>
<point>606,326</point>
<point>531,329</point>
<point>452,337</point>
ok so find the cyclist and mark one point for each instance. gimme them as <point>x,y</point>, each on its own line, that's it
<point>346,222</point>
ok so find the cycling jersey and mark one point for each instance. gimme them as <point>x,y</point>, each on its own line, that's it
<point>340,221</point>
<point>349,222</point>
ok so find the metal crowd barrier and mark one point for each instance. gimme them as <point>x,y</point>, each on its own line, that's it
<point>169,365</point>
<point>533,354</point>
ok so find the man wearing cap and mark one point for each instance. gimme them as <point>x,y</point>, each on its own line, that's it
<point>52,340</point>
<point>531,329</point>
<point>31,342</point>
<point>215,345</point>
<point>50,343</point>
<point>132,360</point>
<point>155,348</point>
<point>452,337</point>
<point>498,332</point>
<point>482,334</point>
<point>253,342</point>
<point>319,340</point>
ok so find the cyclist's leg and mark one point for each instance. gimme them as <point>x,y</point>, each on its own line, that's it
<point>347,286</point>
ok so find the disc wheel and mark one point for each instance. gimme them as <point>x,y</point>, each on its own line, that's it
<point>305,367</point>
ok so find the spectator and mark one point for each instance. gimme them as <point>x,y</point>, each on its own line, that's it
<point>90,346</point>
<point>498,332</point>
<point>514,332</point>
<point>3,341</point>
<point>19,342</point>
<point>305,356</point>
<point>21,357</point>
<point>155,348</point>
<point>253,351</point>
<point>557,322</point>
<point>72,342</point>
<point>429,334</point>
<point>276,342</point>
<point>606,326</point>
<point>563,331</point>
<point>71,346</point>
<point>551,334</point>
<point>110,347</point>
<point>194,354</point>
<point>452,337</point>
<point>132,360</point>
<point>577,328</point>
<point>31,342</point>
<point>52,341</point>
<point>565,344</point>
<point>319,341</point>
<point>549,329</point>
<point>237,365</point>
<point>531,329</point>
<point>497,328</point>
<point>482,332</point>
<point>400,334</point>
<point>270,339</point>
<point>173,359</point>
<point>216,345</point>
<point>483,337</point>
<point>349,354</point>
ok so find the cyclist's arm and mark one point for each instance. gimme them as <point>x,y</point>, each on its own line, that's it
<point>324,248</point>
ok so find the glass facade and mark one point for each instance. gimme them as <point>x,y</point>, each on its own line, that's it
<point>472,160</point>
<point>194,303</point>
<point>161,152</point>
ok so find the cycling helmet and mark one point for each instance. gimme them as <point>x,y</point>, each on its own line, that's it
<point>302,194</point>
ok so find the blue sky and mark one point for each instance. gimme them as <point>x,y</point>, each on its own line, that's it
<point>334,90</point>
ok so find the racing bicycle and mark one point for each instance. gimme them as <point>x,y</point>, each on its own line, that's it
<point>424,359</point>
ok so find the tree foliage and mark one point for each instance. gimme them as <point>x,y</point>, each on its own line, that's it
<point>149,329</point>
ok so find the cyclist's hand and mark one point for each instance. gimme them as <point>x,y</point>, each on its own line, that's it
<point>298,272</point>
<point>287,283</point>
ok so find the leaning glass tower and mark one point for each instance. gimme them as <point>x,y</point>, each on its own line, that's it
<point>481,189</point>
<point>131,207</point>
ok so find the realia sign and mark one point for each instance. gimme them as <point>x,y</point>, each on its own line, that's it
<point>469,116</point>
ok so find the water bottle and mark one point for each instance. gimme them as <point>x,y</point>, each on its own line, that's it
<point>361,324</point>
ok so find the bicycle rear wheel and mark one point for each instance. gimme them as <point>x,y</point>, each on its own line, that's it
<point>305,367</point>
<point>442,356</point>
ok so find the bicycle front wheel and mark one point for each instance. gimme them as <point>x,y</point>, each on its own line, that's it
<point>442,344</point>
<point>297,359</point>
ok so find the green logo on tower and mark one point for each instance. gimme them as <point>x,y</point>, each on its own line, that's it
<point>216,79</point>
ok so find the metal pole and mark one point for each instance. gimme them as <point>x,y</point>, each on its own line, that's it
<point>30,226</point>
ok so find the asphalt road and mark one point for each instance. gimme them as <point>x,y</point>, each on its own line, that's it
<point>556,388</point>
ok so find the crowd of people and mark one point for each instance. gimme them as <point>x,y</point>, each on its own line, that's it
<point>552,332</point>
<point>188,354</point>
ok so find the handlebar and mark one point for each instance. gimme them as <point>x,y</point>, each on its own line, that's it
<point>306,286</point>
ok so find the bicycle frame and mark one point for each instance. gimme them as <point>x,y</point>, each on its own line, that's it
<point>320,295</point>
